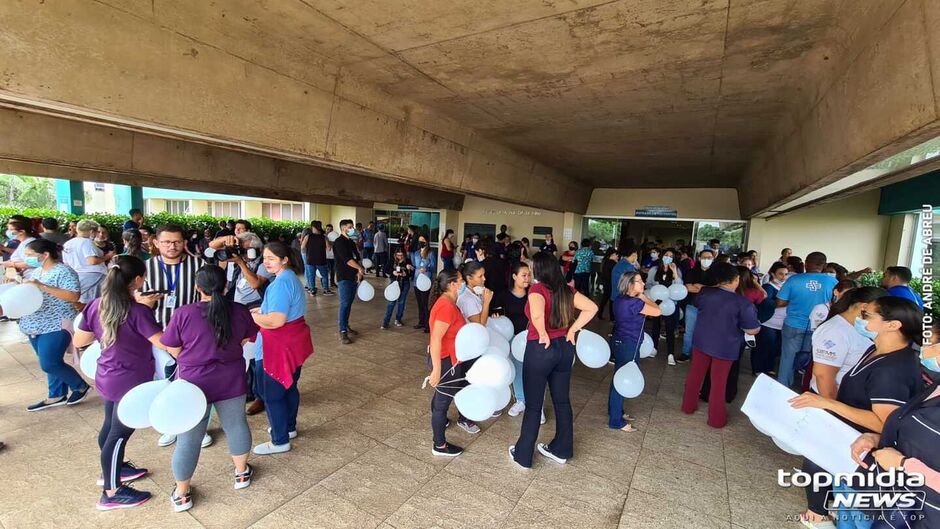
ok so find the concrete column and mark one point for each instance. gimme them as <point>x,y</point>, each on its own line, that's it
<point>70,196</point>
<point>901,236</point>
<point>571,230</point>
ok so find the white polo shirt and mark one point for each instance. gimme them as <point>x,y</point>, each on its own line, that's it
<point>836,343</point>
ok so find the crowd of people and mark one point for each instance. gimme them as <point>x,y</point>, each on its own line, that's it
<point>857,351</point>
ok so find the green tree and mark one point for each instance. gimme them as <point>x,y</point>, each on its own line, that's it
<point>20,191</point>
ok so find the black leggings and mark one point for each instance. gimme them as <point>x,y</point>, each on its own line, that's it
<point>815,499</point>
<point>604,302</point>
<point>671,322</point>
<point>111,440</point>
<point>442,398</point>
<point>422,298</point>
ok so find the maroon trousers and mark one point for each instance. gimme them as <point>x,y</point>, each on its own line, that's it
<point>718,369</point>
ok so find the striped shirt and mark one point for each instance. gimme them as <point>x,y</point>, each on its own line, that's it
<point>184,289</point>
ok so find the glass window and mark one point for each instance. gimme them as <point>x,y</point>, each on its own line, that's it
<point>282,211</point>
<point>730,234</point>
<point>177,207</point>
<point>397,220</point>
<point>230,209</point>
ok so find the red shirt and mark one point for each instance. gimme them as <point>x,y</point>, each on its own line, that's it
<point>446,311</point>
<point>539,288</point>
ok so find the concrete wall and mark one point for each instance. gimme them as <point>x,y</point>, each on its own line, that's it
<point>849,231</point>
<point>519,219</point>
<point>718,204</point>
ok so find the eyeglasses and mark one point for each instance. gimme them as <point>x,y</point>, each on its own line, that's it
<point>172,243</point>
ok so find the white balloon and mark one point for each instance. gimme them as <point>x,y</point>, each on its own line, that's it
<point>668,306</point>
<point>423,283</point>
<point>678,292</point>
<point>393,291</point>
<point>490,370</point>
<point>21,300</point>
<point>659,292</point>
<point>476,403</point>
<point>628,380</point>
<point>319,274</point>
<point>367,263</point>
<point>472,339</point>
<point>593,350</point>
<point>647,348</point>
<point>178,408</point>
<point>6,286</point>
<point>518,345</point>
<point>134,407</point>
<point>365,291</point>
<point>497,340</point>
<point>160,360</point>
<point>493,350</point>
<point>502,325</point>
<point>248,350</point>
<point>332,236</point>
<point>89,360</point>
<point>785,447</point>
<point>76,321</point>
<point>502,395</point>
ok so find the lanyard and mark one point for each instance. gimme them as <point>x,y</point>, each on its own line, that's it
<point>171,285</point>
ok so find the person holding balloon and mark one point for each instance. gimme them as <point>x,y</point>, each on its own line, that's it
<point>556,313</point>
<point>126,331</point>
<point>206,338</point>
<point>446,320</point>
<point>629,313</point>
<point>402,272</point>
<point>283,345</point>
<point>512,302</point>
<point>665,272</point>
<point>474,301</point>
<point>425,262</point>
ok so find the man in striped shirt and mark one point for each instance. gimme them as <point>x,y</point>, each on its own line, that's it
<point>173,271</point>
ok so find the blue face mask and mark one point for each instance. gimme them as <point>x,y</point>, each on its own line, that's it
<point>860,327</point>
<point>351,233</point>
<point>11,234</point>
<point>930,363</point>
<point>33,262</point>
<point>463,288</point>
<point>667,260</point>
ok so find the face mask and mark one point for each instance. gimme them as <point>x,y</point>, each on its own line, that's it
<point>929,363</point>
<point>667,260</point>
<point>860,327</point>
<point>833,274</point>
<point>252,253</point>
<point>11,234</point>
<point>478,290</point>
<point>475,240</point>
<point>706,262</point>
<point>351,233</point>
<point>654,255</point>
<point>463,288</point>
<point>33,262</point>
<point>422,244</point>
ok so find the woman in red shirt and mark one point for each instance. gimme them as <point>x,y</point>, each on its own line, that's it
<point>445,321</point>
<point>552,308</point>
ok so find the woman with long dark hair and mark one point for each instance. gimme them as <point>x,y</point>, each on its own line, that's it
<point>611,258</point>
<point>424,261</point>
<point>447,250</point>
<point>556,313</point>
<point>402,272</point>
<point>19,229</point>
<point>282,346</point>
<point>445,320</point>
<point>513,302</point>
<point>474,301</point>
<point>126,330</point>
<point>665,272</point>
<point>133,244</point>
<point>206,338</point>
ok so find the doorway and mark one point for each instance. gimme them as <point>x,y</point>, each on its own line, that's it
<point>665,232</point>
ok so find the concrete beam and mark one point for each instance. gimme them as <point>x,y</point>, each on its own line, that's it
<point>887,99</point>
<point>117,63</point>
<point>50,146</point>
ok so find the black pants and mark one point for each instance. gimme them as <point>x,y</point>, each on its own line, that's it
<point>550,366</point>
<point>731,390</point>
<point>112,438</point>
<point>442,398</point>
<point>671,321</point>
<point>582,282</point>
<point>331,266</point>
<point>422,298</point>
<point>605,300</point>
<point>815,499</point>
<point>381,264</point>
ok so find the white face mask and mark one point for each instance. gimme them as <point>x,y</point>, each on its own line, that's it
<point>707,262</point>
<point>478,290</point>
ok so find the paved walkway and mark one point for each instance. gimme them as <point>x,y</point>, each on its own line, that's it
<point>363,457</point>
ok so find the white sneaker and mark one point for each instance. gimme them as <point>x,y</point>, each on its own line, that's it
<point>290,435</point>
<point>671,360</point>
<point>517,408</point>
<point>269,448</point>
<point>207,440</point>
<point>166,440</point>
<point>542,421</point>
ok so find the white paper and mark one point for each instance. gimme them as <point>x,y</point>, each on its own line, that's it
<point>814,433</point>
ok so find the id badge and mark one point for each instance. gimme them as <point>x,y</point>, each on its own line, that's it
<point>170,301</point>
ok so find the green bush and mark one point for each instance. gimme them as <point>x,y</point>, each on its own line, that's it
<point>266,228</point>
<point>873,279</point>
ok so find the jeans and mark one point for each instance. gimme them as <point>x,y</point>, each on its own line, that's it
<point>442,397</point>
<point>381,263</point>
<point>582,282</point>
<point>368,252</point>
<point>280,404</point>
<point>792,342</point>
<point>61,377</point>
<point>550,366</point>
<point>718,369</point>
<point>310,271</point>
<point>347,294</point>
<point>331,269</point>
<point>518,390</point>
<point>448,263</point>
<point>231,413</point>
<point>765,354</point>
<point>691,314</point>
<point>112,439</point>
<point>625,351</point>
<point>423,310</point>
<point>671,322</point>
<point>405,285</point>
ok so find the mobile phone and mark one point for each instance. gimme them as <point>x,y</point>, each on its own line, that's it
<point>154,292</point>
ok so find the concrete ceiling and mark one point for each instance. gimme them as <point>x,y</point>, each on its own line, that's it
<point>628,93</point>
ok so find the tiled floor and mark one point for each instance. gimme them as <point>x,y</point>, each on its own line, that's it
<point>363,456</point>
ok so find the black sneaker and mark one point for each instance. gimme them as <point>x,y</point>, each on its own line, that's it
<point>398,323</point>
<point>329,293</point>
<point>77,396</point>
<point>344,338</point>
<point>682,359</point>
<point>124,498</point>
<point>384,327</point>
<point>313,293</point>
<point>352,331</point>
<point>448,450</point>
<point>543,449</point>
<point>128,473</point>
<point>45,403</point>
<point>181,503</point>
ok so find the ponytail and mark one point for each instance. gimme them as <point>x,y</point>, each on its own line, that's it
<point>444,279</point>
<point>211,280</point>
<point>116,298</point>
<point>855,295</point>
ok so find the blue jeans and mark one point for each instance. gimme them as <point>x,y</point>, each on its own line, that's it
<point>517,389</point>
<point>310,271</point>
<point>405,285</point>
<point>625,351</point>
<point>280,404</point>
<point>50,348</point>
<point>691,314</point>
<point>347,294</point>
<point>793,341</point>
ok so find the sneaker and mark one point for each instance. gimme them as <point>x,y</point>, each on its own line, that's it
<point>417,326</point>
<point>468,426</point>
<point>671,360</point>
<point>207,440</point>
<point>352,331</point>
<point>542,420</point>
<point>448,450</point>
<point>497,413</point>
<point>398,323</point>
<point>543,449</point>
<point>517,408</point>
<point>265,449</point>
<point>46,403</point>
<point>77,396</point>
<point>682,359</point>
<point>166,440</point>
<point>313,293</point>
<point>124,497</point>
<point>384,327</point>
<point>344,339</point>
<point>181,503</point>
<point>329,293</point>
<point>290,435</point>
<point>243,479</point>
<point>128,473</point>
<point>512,456</point>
